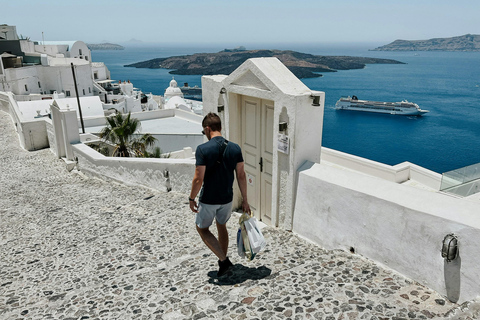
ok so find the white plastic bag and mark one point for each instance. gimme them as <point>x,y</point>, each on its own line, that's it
<point>255,236</point>
<point>243,243</point>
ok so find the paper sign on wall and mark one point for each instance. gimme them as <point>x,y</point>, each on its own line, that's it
<point>283,143</point>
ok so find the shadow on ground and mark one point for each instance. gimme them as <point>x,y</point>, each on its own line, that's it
<point>238,274</point>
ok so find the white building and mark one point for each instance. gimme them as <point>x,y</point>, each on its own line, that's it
<point>8,32</point>
<point>172,91</point>
<point>67,49</point>
<point>174,99</point>
<point>29,69</point>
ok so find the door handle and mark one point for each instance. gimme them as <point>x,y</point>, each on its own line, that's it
<point>261,164</point>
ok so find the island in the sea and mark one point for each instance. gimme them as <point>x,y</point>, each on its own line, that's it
<point>303,65</point>
<point>104,46</point>
<point>468,42</point>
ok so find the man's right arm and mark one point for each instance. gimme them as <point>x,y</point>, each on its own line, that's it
<point>242,184</point>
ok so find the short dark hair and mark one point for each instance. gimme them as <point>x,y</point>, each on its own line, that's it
<point>213,121</point>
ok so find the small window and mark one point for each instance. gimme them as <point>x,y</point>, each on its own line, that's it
<point>83,91</point>
<point>67,93</point>
<point>86,58</point>
<point>26,88</point>
<point>80,51</point>
<point>39,84</point>
<point>95,75</point>
<point>89,90</point>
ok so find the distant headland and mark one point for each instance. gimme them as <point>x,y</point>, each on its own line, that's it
<point>468,42</point>
<point>104,46</point>
<point>303,65</point>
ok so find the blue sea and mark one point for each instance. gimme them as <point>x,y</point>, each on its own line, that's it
<point>445,83</point>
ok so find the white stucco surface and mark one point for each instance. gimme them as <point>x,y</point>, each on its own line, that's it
<point>170,125</point>
<point>91,106</point>
<point>32,133</point>
<point>159,174</point>
<point>397,225</point>
<point>406,173</point>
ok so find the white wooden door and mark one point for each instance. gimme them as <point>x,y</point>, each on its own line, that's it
<point>266,159</point>
<point>257,146</point>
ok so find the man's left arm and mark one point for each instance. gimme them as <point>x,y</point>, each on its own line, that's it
<point>242,184</point>
<point>196,186</point>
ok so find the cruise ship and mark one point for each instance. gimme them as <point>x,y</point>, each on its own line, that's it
<point>402,108</point>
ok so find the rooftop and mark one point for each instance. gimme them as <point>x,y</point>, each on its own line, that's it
<point>91,106</point>
<point>169,125</point>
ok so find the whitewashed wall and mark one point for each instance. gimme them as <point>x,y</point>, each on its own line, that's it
<point>52,50</point>
<point>27,46</point>
<point>151,173</point>
<point>32,134</point>
<point>397,225</point>
<point>59,78</point>
<point>101,70</point>
<point>79,50</point>
<point>398,173</point>
<point>51,136</point>
<point>19,77</point>
<point>52,78</point>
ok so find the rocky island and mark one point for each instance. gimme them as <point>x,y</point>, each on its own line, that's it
<point>303,65</point>
<point>104,46</point>
<point>468,42</point>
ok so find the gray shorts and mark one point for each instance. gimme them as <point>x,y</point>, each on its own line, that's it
<point>206,213</point>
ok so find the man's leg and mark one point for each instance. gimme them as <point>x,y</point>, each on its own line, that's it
<point>218,246</point>
<point>212,243</point>
<point>223,215</point>
<point>223,237</point>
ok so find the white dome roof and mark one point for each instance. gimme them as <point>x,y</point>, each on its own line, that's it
<point>173,91</point>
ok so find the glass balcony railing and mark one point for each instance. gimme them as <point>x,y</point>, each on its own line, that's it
<point>463,182</point>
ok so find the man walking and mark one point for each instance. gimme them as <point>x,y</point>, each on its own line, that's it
<point>216,161</point>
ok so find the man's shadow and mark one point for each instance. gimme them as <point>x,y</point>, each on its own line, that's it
<point>238,274</point>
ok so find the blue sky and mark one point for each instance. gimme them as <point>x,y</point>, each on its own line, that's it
<point>243,21</point>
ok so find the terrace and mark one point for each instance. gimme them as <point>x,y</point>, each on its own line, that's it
<point>75,247</point>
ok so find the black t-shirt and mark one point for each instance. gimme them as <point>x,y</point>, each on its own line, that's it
<point>218,181</point>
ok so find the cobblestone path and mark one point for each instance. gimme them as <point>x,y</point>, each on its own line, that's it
<point>73,247</point>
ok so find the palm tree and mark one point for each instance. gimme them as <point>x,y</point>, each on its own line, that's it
<point>121,131</point>
<point>140,145</point>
